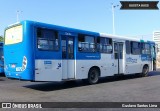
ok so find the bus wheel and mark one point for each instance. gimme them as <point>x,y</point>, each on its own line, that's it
<point>145,71</point>
<point>93,76</point>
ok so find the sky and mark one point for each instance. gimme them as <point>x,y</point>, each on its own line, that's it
<point>91,15</point>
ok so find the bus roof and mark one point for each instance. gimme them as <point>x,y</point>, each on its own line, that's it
<point>74,30</point>
<point>119,37</point>
<point>62,28</point>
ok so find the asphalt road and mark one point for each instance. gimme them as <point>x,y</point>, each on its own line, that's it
<point>110,89</point>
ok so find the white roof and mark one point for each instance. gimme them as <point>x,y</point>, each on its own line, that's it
<point>119,37</point>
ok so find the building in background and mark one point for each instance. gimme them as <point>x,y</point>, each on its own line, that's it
<point>156,38</point>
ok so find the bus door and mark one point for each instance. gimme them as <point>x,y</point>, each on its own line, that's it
<point>153,57</point>
<point>118,56</point>
<point>68,62</point>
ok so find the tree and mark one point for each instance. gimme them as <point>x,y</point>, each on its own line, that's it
<point>1,38</point>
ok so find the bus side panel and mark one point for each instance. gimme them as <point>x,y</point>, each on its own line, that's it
<point>48,64</point>
<point>48,70</point>
<point>83,66</point>
<point>146,59</point>
<point>133,64</point>
<point>105,64</point>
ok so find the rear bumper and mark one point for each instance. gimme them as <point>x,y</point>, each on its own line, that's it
<point>26,75</point>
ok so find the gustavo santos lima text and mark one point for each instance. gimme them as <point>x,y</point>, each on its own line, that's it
<point>139,105</point>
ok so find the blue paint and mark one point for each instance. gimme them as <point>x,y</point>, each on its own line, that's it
<point>14,53</point>
<point>145,57</point>
<point>131,60</point>
<point>88,56</point>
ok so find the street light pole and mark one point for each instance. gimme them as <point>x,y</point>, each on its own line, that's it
<point>18,12</point>
<point>113,19</point>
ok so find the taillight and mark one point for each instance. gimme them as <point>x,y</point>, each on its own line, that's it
<point>24,63</point>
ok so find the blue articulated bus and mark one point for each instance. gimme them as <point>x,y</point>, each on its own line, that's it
<point>37,51</point>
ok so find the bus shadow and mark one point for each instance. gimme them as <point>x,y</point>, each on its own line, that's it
<point>1,80</point>
<point>154,73</point>
<point>53,86</point>
<point>2,75</point>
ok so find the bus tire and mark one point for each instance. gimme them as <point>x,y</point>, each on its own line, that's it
<point>145,71</point>
<point>93,76</point>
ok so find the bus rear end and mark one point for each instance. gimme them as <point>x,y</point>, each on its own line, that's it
<point>17,59</point>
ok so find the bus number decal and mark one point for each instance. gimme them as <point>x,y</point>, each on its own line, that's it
<point>18,69</point>
<point>48,64</point>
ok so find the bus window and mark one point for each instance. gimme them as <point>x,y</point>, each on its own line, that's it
<point>86,43</point>
<point>135,48</point>
<point>70,48</point>
<point>146,48</point>
<point>47,39</point>
<point>104,45</point>
<point>128,47</point>
<point>13,35</point>
<point>120,51</point>
<point>115,50</point>
<point>63,42</point>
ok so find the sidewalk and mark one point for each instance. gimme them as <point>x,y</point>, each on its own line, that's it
<point>158,69</point>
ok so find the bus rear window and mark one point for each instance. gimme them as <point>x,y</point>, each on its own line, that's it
<point>13,35</point>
